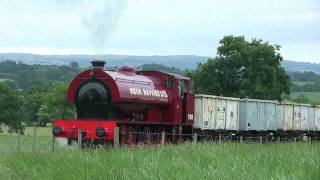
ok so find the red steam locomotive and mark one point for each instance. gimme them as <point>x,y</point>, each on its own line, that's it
<point>135,101</point>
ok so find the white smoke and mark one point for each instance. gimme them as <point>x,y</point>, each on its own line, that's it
<point>101,18</point>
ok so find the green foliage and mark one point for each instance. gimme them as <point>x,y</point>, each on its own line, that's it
<point>301,83</point>
<point>12,84</point>
<point>307,76</point>
<point>44,105</point>
<point>74,64</point>
<point>159,67</point>
<point>313,97</point>
<point>302,98</point>
<point>11,108</point>
<point>43,93</point>
<point>310,87</point>
<point>27,77</point>
<point>243,69</point>
<point>33,100</point>
<point>54,104</point>
<point>305,81</point>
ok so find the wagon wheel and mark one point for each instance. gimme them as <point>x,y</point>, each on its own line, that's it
<point>131,137</point>
<point>147,133</point>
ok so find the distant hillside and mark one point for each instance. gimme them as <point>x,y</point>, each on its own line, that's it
<point>293,66</point>
<point>178,61</point>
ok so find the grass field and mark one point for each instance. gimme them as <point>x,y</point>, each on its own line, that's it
<point>200,161</point>
<point>301,83</point>
<point>2,80</point>
<point>312,96</point>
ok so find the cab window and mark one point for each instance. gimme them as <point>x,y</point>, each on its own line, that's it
<point>170,82</point>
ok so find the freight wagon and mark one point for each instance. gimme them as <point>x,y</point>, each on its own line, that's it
<point>216,113</point>
<point>298,117</point>
<point>257,115</point>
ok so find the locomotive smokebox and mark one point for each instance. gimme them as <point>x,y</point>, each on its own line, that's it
<point>98,64</point>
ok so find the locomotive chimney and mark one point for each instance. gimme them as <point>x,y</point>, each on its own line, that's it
<point>98,64</point>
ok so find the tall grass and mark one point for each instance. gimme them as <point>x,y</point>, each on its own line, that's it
<point>187,161</point>
<point>201,161</point>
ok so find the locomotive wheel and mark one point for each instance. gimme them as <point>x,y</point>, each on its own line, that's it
<point>147,134</point>
<point>131,136</point>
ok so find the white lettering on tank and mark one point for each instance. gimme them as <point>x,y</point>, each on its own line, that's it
<point>148,92</point>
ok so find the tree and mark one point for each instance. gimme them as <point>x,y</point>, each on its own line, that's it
<point>74,64</point>
<point>243,69</point>
<point>33,99</point>
<point>11,109</point>
<point>54,104</point>
<point>11,84</point>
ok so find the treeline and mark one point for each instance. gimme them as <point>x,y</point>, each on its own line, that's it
<point>24,77</point>
<point>160,67</point>
<point>34,93</point>
<point>40,106</point>
<point>305,81</point>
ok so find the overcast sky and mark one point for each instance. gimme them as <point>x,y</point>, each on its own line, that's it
<point>157,27</point>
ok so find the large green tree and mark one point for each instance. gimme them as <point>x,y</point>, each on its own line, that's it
<point>11,108</point>
<point>243,69</point>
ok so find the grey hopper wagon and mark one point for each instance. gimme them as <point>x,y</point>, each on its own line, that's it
<point>257,115</point>
<point>216,113</point>
<point>317,118</point>
<point>298,117</point>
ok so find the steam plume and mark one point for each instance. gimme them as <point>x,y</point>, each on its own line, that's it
<point>101,19</point>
